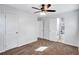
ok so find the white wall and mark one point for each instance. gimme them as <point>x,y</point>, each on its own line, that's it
<point>71,27</point>
<point>53,29</point>
<point>13,20</point>
<point>28,28</point>
<point>71,20</point>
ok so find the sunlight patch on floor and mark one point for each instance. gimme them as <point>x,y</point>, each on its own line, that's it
<point>41,48</point>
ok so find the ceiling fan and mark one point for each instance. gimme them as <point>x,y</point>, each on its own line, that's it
<point>44,8</point>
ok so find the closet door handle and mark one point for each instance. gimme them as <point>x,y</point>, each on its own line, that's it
<point>17,32</point>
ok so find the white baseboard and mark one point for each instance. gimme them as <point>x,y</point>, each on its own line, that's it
<point>19,45</point>
<point>26,43</point>
<point>70,44</point>
<point>62,41</point>
<point>2,51</point>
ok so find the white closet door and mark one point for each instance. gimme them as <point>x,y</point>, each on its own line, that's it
<point>52,29</point>
<point>40,28</point>
<point>46,28</point>
<point>11,30</point>
<point>2,24</point>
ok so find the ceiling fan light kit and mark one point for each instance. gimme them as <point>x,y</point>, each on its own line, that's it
<point>42,13</point>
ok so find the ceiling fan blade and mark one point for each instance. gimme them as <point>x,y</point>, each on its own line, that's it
<point>51,10</point>
<point>36,8</point>
<point>48,5</point>
<point>43,5</point>
<point>37,11</point>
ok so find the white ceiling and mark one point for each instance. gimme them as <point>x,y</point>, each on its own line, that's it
<point>60,8</point>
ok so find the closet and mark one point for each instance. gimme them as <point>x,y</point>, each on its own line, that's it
<point>8,29</point>
<point>47,28</point>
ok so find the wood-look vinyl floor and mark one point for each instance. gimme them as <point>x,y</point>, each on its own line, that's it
<point>54,48</point>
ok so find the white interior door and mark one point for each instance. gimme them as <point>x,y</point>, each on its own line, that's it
<point>11,30</point>
<point>52,29</point>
